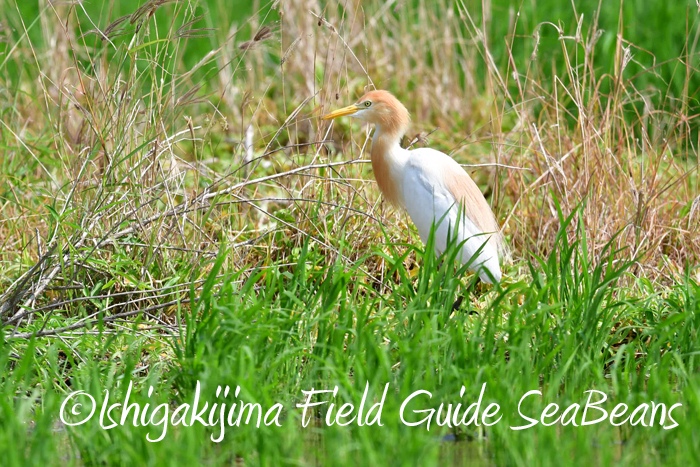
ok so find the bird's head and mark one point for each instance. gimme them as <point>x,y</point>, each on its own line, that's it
<point>380,108</point>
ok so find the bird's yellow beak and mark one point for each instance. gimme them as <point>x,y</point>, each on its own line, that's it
<point>349,110</point>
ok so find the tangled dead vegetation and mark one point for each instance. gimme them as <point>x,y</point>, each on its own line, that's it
<point>137,149</point>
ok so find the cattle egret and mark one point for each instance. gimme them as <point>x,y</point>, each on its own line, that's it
<point>430,185</point>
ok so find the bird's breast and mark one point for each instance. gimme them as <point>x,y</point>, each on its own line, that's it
<point>388,162</point>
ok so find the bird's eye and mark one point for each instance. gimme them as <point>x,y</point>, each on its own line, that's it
<point>368,103</point>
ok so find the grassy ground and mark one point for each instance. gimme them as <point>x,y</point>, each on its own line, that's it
<point>174,211</point>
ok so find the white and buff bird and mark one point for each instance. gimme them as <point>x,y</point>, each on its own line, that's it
<point>430,185</point>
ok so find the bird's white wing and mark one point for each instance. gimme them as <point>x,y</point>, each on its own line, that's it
<point>428,199</point>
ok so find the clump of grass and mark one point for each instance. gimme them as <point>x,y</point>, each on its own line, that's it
<point>139,138</point>
<point>152,172</point>
<point>277,332</point>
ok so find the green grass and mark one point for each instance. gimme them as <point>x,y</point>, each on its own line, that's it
<point>311,325</point>
<point>173,212</point>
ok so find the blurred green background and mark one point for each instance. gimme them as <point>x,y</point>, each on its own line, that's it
<point>657,30</point>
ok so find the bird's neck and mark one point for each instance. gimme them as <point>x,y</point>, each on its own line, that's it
<point>388,160</point>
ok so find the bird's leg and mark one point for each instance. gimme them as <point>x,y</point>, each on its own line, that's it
<point>480,287</point>
<point>440,261</point>
<point>460,298</point>
<point>476,289</point>
<point>413,269</point>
